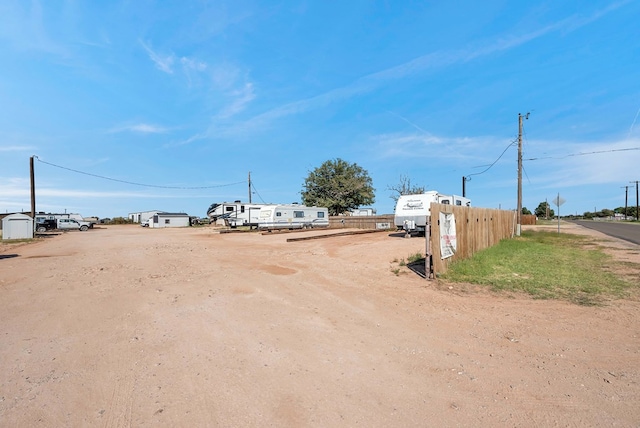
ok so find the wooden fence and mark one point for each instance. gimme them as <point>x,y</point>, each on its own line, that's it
<point>476,229</point>
<point>362,222</point>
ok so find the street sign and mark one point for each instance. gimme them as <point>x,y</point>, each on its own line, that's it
<point>557,201</point>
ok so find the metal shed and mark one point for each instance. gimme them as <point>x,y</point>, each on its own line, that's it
<point>17,226</point>
<point>170,220</point>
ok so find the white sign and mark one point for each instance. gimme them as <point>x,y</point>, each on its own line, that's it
<point>448,244</point>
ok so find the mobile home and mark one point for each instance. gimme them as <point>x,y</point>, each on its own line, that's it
<point>143,216</point>
<point>412,211</point>
<point>235,213</point>
<point>292,217</point>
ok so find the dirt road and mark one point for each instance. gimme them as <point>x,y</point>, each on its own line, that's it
<point>128,326</point>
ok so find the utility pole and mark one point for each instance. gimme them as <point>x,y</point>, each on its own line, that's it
<point>626,199</point>
<point>32,175</point>
<point>637,212</point>
<point>546,210</point>
<point>464,186</point>
<point>519,212</point>
<point>249,186</point>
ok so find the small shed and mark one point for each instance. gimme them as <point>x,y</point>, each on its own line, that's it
<point>170,220</point>
<point>17,226</point>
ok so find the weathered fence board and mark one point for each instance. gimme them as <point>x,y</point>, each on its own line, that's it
<point>476,229</point>
<point>362,222</point>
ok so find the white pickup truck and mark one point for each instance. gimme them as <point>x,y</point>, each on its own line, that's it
<point>73,224</point>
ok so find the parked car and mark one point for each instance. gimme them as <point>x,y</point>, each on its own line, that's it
<point>145,223</point>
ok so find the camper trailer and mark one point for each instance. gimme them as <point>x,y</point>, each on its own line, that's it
<point>292,217</point>
<point>235,214</point>
<point>412,210</point>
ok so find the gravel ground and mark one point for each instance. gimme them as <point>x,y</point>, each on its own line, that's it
<point>127,326</point>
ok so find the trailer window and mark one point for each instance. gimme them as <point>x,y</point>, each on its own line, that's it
<point>241,208</point>
<point>298,214</point>
<point>167,221</point>
<point>320,214</point>
<point>229,209</point>
<point>459,203</point>
<point>278,214</point>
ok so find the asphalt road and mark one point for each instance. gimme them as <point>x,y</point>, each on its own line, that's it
<point>628,231</point>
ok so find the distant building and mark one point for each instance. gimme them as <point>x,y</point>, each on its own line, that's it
<point>142,216</point>
<point>170,220</point>
<point>360,212</point>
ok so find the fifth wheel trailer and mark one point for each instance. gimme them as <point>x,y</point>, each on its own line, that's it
<point>235,213</point>
<point>412,211</point>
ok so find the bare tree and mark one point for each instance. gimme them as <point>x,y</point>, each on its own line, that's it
<point>404,187</point>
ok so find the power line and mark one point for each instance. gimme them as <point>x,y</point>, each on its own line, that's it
<point>494,162</point>
<point>138,184</point>
<point>256,191</point>
<point>585,153</point>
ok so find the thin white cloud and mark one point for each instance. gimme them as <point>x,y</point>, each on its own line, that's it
<point>24,25</point>
<point>635,119</point>
<point>184,142</point>
<point>241,97</point>
<point>193,64</point>
<point>426,145</point>
<point>144,128</point>
<point>163,62</point>
<point>434,60</point>
<point>587,164</point>
<point>193,69</point>
<point>19,188</point>
<point>16,148</point>
<point>225,76</point>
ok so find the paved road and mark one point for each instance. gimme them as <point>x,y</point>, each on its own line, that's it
<point>627,231</point>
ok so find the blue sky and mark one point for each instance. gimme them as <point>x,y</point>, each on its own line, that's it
<point>192,96</point>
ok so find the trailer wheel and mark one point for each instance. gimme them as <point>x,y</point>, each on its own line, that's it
<point>83,228</point>
<point>41,229</point>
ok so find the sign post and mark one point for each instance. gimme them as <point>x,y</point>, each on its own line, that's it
<point>557,201</point>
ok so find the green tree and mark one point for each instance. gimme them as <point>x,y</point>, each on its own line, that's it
<point>526,211</point>
<point>607,212</point>
<point>541,211</point>
<point>404,187</point>
<point>338,186</point>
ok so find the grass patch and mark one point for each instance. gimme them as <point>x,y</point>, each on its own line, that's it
<point>546,265</point>
<point>405,263</point>
<point>18,241</point>
<point>415,257</point>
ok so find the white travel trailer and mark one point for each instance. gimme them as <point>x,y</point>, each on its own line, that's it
<point>292,216</point>
<point>235,213</point>
<point>412,210</point>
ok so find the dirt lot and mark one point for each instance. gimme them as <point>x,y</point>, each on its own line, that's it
<point>128,326</point>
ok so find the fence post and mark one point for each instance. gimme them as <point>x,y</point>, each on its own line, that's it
<point>427,257</point>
